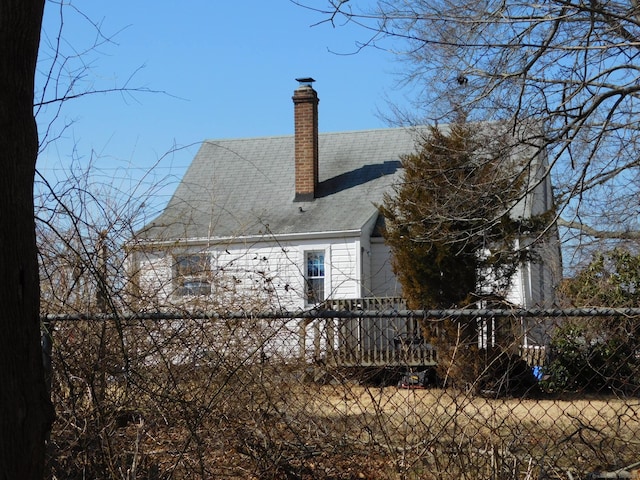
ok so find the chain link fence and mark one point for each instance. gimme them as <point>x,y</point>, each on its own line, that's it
<point>355,390</point>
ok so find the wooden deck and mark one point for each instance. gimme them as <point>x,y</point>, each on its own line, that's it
<point>385,341</point>
<point>367,342</point>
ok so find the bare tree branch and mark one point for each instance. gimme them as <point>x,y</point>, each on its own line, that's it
<point>573,67</point>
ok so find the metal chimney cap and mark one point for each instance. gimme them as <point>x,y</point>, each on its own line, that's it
<point>305,81</point>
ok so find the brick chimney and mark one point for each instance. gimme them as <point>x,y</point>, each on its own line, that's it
<point>305,100</point>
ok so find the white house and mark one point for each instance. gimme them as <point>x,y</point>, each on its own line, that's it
<point>289,221</point>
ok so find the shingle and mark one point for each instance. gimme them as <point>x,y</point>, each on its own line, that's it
<point>246,186</point>
<point>241,187</point>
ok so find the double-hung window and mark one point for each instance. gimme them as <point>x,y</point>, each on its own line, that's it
<point>315,276</point>
<point>191,274</point>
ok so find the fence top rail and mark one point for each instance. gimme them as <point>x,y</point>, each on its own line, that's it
<point>313,314</point>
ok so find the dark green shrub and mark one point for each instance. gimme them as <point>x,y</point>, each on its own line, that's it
<point>587,357</point>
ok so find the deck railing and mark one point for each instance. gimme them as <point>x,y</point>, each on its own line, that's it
<point>385,340</point>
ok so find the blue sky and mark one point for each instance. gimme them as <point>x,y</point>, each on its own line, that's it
<point>227,68</point>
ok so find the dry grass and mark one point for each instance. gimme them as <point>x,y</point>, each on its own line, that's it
<point>259,425</point>
<point>422,427</point>
<point>242,417</point>
<point>598,411</point>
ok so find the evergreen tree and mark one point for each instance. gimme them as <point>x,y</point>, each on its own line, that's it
<point>448,222</point>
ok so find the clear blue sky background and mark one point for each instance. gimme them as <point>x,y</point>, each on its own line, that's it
<point>228,70</point>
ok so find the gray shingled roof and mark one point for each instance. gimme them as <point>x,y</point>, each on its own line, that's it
<point>246,186</point>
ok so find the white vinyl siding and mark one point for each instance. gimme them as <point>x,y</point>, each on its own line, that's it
<point>345,271</point>
<point>383,281</point>
<point>262,273</point>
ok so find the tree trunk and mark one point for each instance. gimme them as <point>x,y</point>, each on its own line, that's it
<point>25,409</point>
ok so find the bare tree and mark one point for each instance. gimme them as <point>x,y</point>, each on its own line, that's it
<point>26,410</point>
<point>570,66</point>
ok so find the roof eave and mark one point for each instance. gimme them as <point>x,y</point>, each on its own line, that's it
<point>265,237</point>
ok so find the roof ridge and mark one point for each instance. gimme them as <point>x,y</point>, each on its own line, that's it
<point>231,139</point>
<point>291,135</point>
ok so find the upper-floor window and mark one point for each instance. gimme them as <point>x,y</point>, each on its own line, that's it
<point>315,276</point>
<point>191,274</point>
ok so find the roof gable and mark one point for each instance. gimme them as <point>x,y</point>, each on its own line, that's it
<point>245,187</point>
